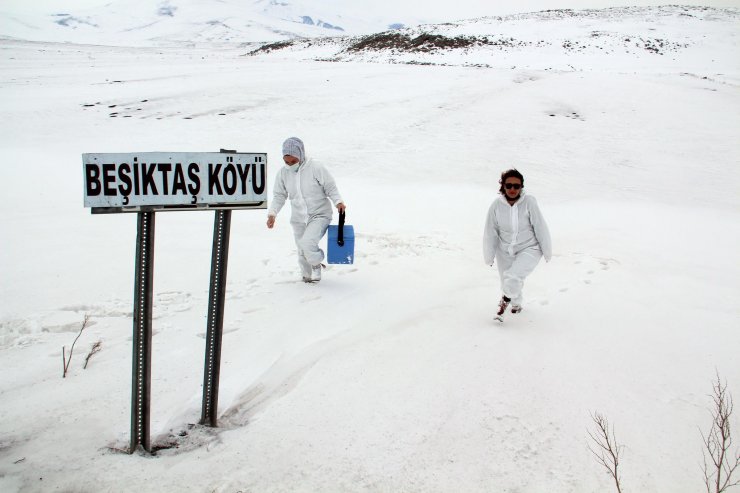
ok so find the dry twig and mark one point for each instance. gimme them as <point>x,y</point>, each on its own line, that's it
<point>66,361</point>
<point>607,449</point>
<point>718,471</point>
<point>96,347</point>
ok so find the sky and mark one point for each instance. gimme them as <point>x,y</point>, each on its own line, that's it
<point>436,11</point>
<point>471,8</point>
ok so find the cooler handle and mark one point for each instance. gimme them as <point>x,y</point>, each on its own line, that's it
<point>340,230</point>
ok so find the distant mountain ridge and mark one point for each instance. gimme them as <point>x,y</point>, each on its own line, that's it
<point>674,38</point>
<point>161,22</point>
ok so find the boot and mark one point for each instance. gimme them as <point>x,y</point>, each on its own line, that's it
<point>502,305</point>
<point>316,273</point>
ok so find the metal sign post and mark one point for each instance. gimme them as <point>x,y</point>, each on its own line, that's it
<point>142,357</point>
<point>166,181</point>
<point>217,294</point>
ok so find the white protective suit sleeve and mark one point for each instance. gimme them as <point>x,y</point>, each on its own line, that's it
<point>279,196</point>
<point>490,236</point>
<point>541,231</point>
<point>325,179</point>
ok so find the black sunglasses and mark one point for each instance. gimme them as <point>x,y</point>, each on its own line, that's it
<point>515,186</point>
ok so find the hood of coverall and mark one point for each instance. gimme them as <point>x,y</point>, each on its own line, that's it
<point>293,146</point>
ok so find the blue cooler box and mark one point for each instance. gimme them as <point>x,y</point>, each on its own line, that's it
<point>337,253</point>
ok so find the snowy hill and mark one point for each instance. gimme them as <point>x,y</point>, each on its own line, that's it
<point>148,22</point>
<point>673,38</point>
<point>390,374</point>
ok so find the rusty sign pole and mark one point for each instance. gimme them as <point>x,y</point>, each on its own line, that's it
<point>216,302</point>
<point>142,354</point>
<point>217,295</point>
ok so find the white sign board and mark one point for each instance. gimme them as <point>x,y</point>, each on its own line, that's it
<point>123,182</point>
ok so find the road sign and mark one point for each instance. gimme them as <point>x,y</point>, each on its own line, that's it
<point>152,181</point>
<point>147,182</point>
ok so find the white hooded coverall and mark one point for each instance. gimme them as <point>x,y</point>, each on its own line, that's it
<point>309,186</point>
<point>517,237</point>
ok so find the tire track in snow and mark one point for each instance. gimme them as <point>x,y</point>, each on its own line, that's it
<point>287,372</point>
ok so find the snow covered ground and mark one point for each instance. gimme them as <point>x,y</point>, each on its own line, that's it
<point>390,374</point>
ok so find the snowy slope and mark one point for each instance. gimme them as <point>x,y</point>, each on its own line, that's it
<point>668,38</point>
<point>390,374</point>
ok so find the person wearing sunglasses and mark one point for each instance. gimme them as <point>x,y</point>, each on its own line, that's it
<point>516,235</point>
<point>312,192</point>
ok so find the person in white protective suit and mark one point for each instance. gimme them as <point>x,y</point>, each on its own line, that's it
<point>310,188</point>
<point>516,236</point>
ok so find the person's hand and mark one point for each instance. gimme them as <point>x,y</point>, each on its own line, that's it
<point>270,221</point>
<point>341,207</point>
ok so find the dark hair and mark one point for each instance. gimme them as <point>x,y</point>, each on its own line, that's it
<point>511,173</point>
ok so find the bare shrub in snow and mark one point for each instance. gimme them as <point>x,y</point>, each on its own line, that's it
<point>94,349</point>
<point>66,361</point>
<point>719,462</point>
<point>606,448</point>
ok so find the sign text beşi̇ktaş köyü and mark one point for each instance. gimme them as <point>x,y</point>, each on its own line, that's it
<point>172,179</point>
